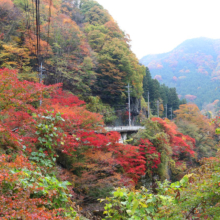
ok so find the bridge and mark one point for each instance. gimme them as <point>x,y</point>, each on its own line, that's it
<point>124,128</point>
<point>124,131</point>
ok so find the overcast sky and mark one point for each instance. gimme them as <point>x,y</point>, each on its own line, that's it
<point>158,26</point>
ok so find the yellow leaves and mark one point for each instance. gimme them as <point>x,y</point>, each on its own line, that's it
<point>67,20</point>
<point>13,49</point>
<point>13,56</point>
<point>144,205</point>
<point>16,39</point>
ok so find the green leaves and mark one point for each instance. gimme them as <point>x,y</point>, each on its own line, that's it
<point>42,159</point>
<point>217,131</point>
<point>126,204</point>
<point>47,134</point>
<point>196,195</point>
<point>118,194</point>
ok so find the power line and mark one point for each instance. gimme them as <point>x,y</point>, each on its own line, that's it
<point>41,69</point>
<point>37,18</point>
<point>48,33</point>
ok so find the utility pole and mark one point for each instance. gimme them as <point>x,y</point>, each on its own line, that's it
<point>41,73</point>
<point>171,112</point>
<point>158,102</point>
<point>129,105</point>
<point>41,69</point>
<point>166,110</point>
<point>148,105</point>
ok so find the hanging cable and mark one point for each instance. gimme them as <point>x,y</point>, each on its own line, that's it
<point>49,19</point>
<point>37,18</point>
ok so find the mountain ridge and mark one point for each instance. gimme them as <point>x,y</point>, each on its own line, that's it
<point>193,67</point>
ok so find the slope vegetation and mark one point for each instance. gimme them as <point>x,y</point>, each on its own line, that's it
<point>87,51</point>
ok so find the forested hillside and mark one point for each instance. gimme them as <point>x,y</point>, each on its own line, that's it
<point>192,67</point>
<point>163,100</point>
<point>87,51</point>
<point>58,152</point>
<point>80,45</point>
<point>64,66</point>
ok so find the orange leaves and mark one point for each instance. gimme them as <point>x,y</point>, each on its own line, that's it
<point>64,25</point>
<point>31,44</point>
<point>112,26</point>
<point>19,193</point>
<point>191,113</point>
<point>6,5</point>
<point>99,171</point>
<point>114,30</point>
<point>1,128</point>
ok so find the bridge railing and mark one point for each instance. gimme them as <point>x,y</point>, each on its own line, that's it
<point>121,121</point>
<point>124,128</point>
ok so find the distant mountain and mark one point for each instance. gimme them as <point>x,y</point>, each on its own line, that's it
<point>193,68</point>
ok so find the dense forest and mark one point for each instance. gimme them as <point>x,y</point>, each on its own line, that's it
<point>80,46</point>
<point>193,68</point>
<point>57,161</point>
<point>160,96</point>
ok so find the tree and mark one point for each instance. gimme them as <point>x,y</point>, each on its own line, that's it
<point>191,122</point>
<point>176,149</point>
<point>162,93</point>
<point>146,84</point>
<point>195,196</point>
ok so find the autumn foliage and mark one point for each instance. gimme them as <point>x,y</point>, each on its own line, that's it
<point>23,194</point>
<point>42,133</point>
<point>62,126</point>
<point>180,143</point>
<point>62,130</point>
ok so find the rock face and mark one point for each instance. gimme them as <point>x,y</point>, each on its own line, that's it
<point>135,106</point>
<point>193,68</point>
<point>135,110</point>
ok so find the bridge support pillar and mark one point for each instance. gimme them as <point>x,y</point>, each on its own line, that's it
<point>123,138</point>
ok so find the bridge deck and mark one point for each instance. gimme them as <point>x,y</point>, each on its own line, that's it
<point>124,128</point>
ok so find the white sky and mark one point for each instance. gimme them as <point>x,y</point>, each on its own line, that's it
<point>158,26</point>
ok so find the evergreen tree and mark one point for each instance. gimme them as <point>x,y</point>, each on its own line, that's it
<point>182,101</point>
<point>164,90</point>
<point>168,96</point>
<point>146,84</point>
<point>173,99</point>
<point>154,95</point>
